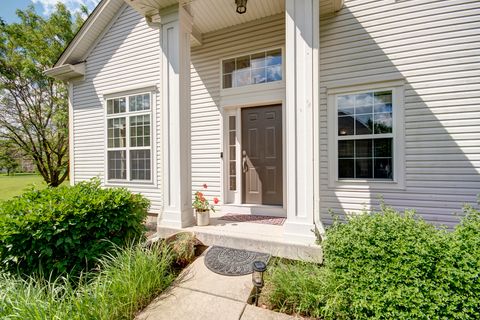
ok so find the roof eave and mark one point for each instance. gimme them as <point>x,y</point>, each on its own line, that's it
<point>67,72</point>
<point>81,33</point>
<point>152,7</point>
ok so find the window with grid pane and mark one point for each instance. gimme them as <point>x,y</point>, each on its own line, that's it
<point>365,135</point>
<point>262,67</point>
<point>129,154</point>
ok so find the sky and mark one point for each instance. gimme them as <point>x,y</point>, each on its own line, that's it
<point>44,7</point>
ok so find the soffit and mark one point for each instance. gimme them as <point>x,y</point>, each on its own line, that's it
<point>151,7</point>
<point>212,15</point>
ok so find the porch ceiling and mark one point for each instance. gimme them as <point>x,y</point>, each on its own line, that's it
<point>212,15</point>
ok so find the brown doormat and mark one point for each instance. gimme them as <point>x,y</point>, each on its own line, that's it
<point>278,221</point>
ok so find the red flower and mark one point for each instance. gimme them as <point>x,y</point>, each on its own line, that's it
<point>202,199</point>
<point>215,200</point>
<point>199,194</point>
<point>205,186</point>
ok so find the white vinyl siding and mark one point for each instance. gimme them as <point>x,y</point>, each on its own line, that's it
<point>127,57</point>
<point>434,46</point>
<point>206,78</point>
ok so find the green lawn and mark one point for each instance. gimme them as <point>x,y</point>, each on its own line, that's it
<point>11,186</point>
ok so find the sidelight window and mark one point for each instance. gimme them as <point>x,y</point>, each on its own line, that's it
<point>232,162</point>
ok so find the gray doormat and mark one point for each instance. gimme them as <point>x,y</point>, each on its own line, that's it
<point>233,262</point>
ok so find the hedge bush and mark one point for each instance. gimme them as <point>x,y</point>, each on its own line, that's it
<point>459,272</point>
<point>385,266</point>
<point>388,265</point>
<point>66,229</point>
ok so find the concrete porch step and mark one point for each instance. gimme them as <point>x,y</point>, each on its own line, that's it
<point>248,236</point>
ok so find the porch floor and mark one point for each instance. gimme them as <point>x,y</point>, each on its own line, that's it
<point>248,235</point>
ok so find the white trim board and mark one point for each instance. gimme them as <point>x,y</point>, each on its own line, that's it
<point>71,137</point>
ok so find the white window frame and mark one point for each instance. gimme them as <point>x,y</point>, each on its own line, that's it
<point>398,128</point>
<point>128,114</point>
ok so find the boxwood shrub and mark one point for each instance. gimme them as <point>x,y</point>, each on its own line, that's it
<point>384,266</point>
<point>459,272</point>
<point>66,229</point>
<point>387,265</point>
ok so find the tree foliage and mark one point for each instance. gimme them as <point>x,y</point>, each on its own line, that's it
<point>34,107</point>
<point>9,156</point>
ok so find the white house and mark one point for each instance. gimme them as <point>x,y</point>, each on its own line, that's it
<point>295,108</point>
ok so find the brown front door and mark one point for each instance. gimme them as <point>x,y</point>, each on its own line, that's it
<point>262,155</point>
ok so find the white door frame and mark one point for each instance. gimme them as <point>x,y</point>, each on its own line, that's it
<point>232,106</point>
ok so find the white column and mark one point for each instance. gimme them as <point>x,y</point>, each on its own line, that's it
<point>176,27</point>
<point>302,43</point>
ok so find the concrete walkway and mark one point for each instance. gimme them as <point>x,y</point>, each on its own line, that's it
<point>199,293</point>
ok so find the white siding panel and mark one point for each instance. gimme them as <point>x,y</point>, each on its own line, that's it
<point>435,47</point>
<point>128,55</point>
<point>205,91</point>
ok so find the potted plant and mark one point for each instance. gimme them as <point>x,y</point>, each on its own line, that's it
<point>202,207</point>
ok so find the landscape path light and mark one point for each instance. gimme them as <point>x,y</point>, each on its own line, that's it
<point>259,268</point>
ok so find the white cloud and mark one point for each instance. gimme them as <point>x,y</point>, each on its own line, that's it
<point>72,5</point>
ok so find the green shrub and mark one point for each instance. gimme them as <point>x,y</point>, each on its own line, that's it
<point>384,266</point>
<point>65,229</point>
<point>459,272</point>
<point>129,278</point>
<point>387,266</point>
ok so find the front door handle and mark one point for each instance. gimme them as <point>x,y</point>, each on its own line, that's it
<point>244,161</point>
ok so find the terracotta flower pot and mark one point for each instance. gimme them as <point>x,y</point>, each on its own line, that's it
<point>203,217</point>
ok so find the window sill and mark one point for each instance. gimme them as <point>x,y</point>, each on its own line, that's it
<point>367,185</point>
<point>149,184</point>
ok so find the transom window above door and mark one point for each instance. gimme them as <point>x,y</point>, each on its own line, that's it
<point>256,68</point>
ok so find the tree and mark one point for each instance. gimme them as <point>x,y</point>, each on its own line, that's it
<point>8,157</point>
<point>34,107</point>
